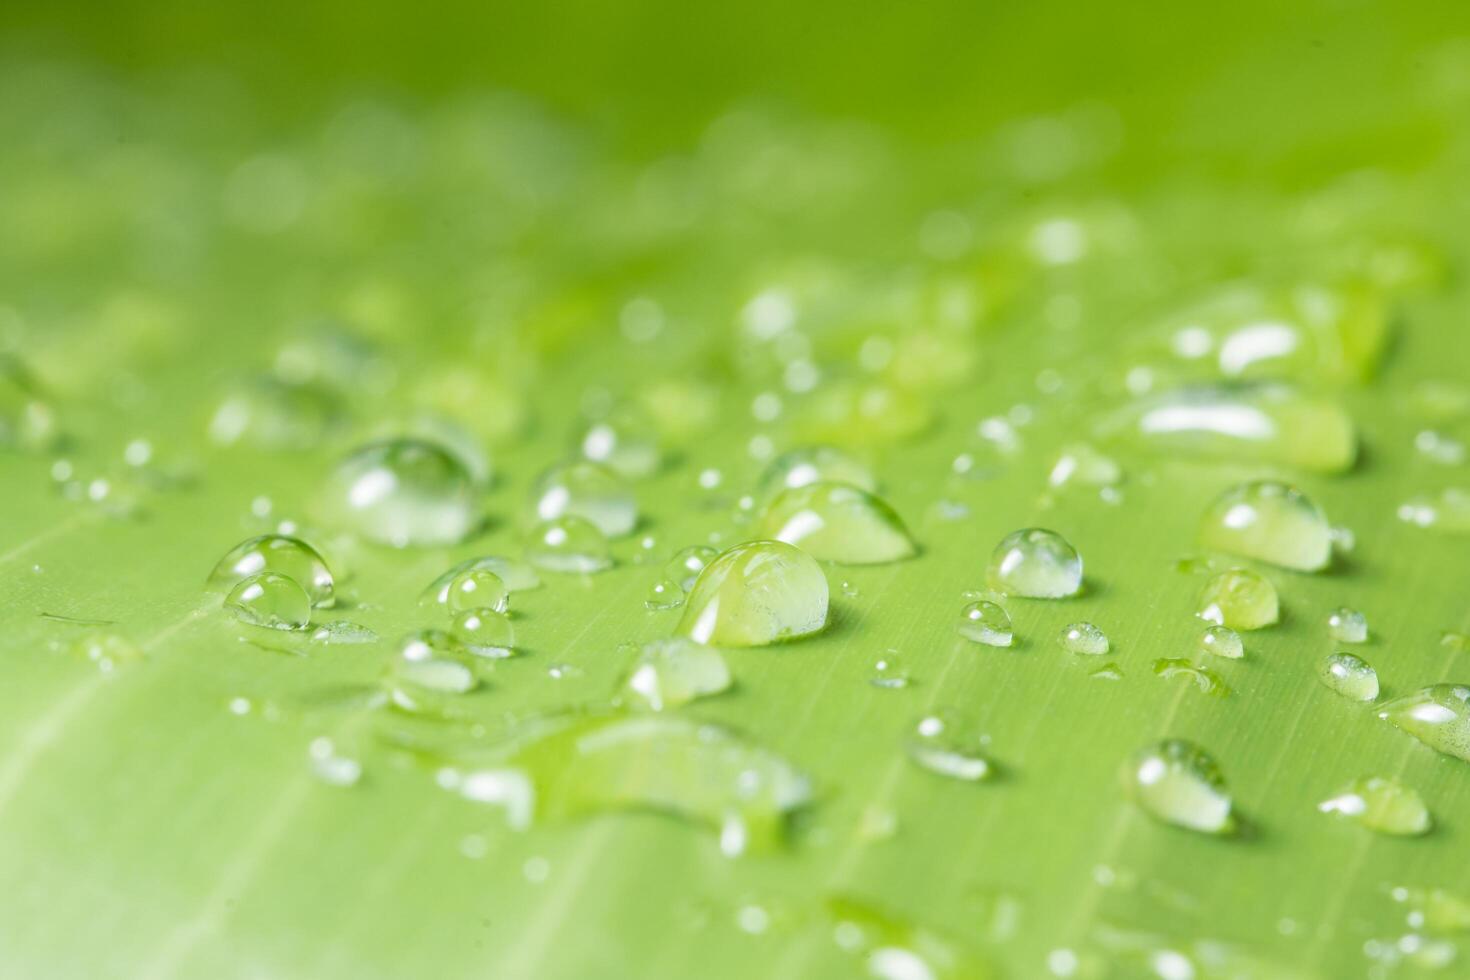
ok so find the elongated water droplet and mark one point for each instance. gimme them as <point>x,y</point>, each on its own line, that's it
<point>685,566</point>
<point>890,671</point>
<point>1270,522</point>
<point>1240,599</point>
<point>477,588</point>
<point>430,664</point>
<point>270,600</point>
<point>1109,671</point>
<point>274,414</point>
<point>947,743</point>
<point>1438,716</point>
<point>754,594</point>
<point>282,555</point>
<point>404,493</point>
<point>568,544</point>
<point>673,672</point>
<point>1446,510</point>
<point>1347,626</point>
<point>1083,638</point>
<point>586,490</point>
<point>485,632</point>
<point>1035,563</point>
<point>1380,804</point>
<point>344,633</point>
<point>626,442</point>
<point>1349,675</point>
<point>837,522</point>
<point>1179,783</point>
<point>986,622</point>
<point>1081,465</point>
<point>1222,642</point>
<point>1204,678</point>
<point>814,464</point>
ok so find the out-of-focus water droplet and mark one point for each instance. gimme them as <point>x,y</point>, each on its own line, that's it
<point>107,650</point>
<point>756,593</point>
<point>1438,716</point>
<point>684,568</point>
<point>664,594</point>
<point>1204,678</point>
<point>893,948</point>
<point>1446,510</point>
<point>1347,626</point>
<point>485,632</point>
<point>986,622</point>
<point>1109,671</point>
<point>429,663</point>
<point>626,442</point>
<point>1240,599</point>
<point>1083,638</point>
<point>1349,675</point>
<point>1222,642</point>
<point>673,672</point>
<point>890,671</point>
<point>282,555</point>
<point>1440,447</point>
<point>587,490</point>
<point>1082,465</point>
<point>814,464</point>
<point>270,600</point>
<point>568,544</point>
<point>330,766</point>
<point>837,522</point>
<point>1435,910</point>
<point>273,414</point>
<point>343,633</point>
<point>1271,522</point>
<point>1179,783</point>
<point>947,743</point>
<point>1384,805</point>
<point>477,588</point>
<point>404,493</point>
<point>1035,563</point>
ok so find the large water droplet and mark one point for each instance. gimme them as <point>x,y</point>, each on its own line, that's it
<point>568,544</point>
<point>1380,804</point>
<point>947,743</point>
<point>986,622</point>
<point>1036,563</point>
<point>281,554</point>
<point>1179,783</point>
<point>343,633</point>
<point>1438,716</point>
<point>586,490</point>
<point>1271,522</point>
<point>1240,599</point>
<point>1347,626</point>
<point>1081,465</point>
<point>837,522</point>
<point>477,588</point>
<point>1349,675</point>
<point>1083,638</point>
<point>814,464</point>
<point>754,594</point>
<point>404,493</point>
<point>1222,642</point>
<point>270,600</point>
<point>430,665</point>
<point>670,673</point>
<point>891,948</point>
<point>517,576</point>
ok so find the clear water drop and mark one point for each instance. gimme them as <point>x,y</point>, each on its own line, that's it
<point>1438,716</point>
<point>404,493</point>
<point>1035,563</point>
<point>1270,522</point>
<point>270,600</point>
<point>814,464</point>
<point>987,623</point>
<point>1204,678</point>
<point>1383,805</point>
<point>664,594</point>
<point>516,576</point>
<point>685,566</point>
<point>106,650</point>
<point>673,672</point>
<point>1222,641</point>
<point>891,672</point>
<point>755,594</point>
<point>837,522</point>
<point>588,491</point>
<point>1347,626</point>
<point>568,544</point>
<point>1179,783</point>
<point>477,588</point>
<point>485,632</point>
<point>1239,599</point>
<point>1349,675</point>
<point>1085,639</point>
<point>282,555</point>
<point>947,743</point>
<point>626,442</point>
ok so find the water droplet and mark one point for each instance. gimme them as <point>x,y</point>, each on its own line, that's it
<point>1380,804</point>
<point>1204,678</point>
<point>108,651</point>
<point>1438,716</point>
<point>814,464</point>
<point>282,555</point>
<point>1447,510</point>
<point>270,600</point>
<point>1083,638</point>
<point>477,588</point>
<point>1270,522</point>
<point>568,544</point>
<point>946,743</point>
<point>331,767</point>
<point>664,594</point>
<point>589,491</point>
<point>1240,599</point>
<point>1349,675</point>
<point>404,493</point>
<point>517,576</point>
<point>485,632</point>
<point>837,522</point>
<point>684,568</point>
<point>1081,465</point>
<point>1347,626</point>
<point>986,622</point>
<point>891,672</point>
<point>1179,783</point>
<point>344,633</point>
<point>429,663</point>
<point>756,593</point>
<point>626,442</point>
<point>673,672</point>
<point>1035,563</point>
<point>1222,642</point>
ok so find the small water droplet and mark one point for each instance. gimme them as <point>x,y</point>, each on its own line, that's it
<point>1204,678</point>
<point>1109,671</point>
<point>517,576</point>
<point>1384,805</point>
<point>485,632</point>
<point>664,594</point>
<point>477,588</point>
<point>1347,626</point>
<point>1240,599</point>
<point>1270,522</point>
<point>1222,642</point>
<point>1349,675</point>
<point>849,590</point>
<point>1035,563</point>
<point>685,566</point>
<point>404,493</point>
<point>891,672</point>
<point>945,742</point>
<point>588,491</point>
<point>270,600</point>
<point>837,522</point>
<point>429,663</point>
<point>568,544</point>
<point>673,672</point>
<point>282,555</point>
<point>1179,783</point>
<point>754,594</point>
<point>1438,716</point>
<point>1085,639</point>
<point>986,622</point>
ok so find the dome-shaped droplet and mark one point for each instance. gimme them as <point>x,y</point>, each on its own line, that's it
<point>485,632</point>
<point>814,464</point>
<point>568,544</point>
<point>282,555</point>
<point>270,600</point>
<point>890,671</point>
<point>343,633</point>
<point>1036,563</point>
<point>946,743</point>
<point>1383,805</point>
<point>1081,465</point>
<point>429,664</point>
<point>1177,782</point>
<point>1347,626</point>
<point>756,593</point>
<point>477,588</point>
<point>517,576</point>
<point>586,490</point>
<point>1271,522</point>
<point>1438,716</point>
<point>1240,599</point>
<point>837,522</point>
<point>1349,675</point>
<point>670,673</point>
<point>685,566</point>
<point>405,493</point>
<point>1083,638</point>
<point>986,622</point>
<point>1222,641</point>
<point>626,442</point>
